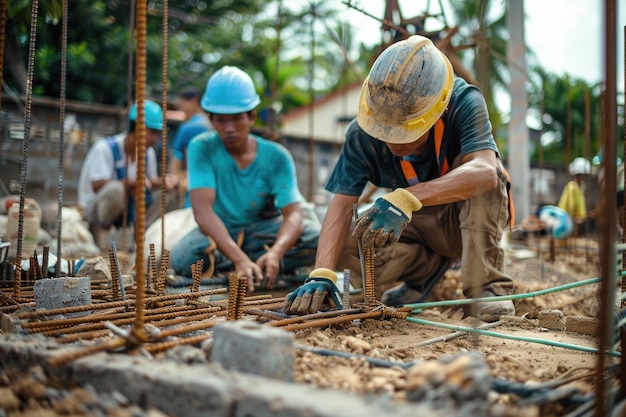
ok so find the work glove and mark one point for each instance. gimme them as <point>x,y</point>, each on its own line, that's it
<point>318,293</point>
<point>384,222</point>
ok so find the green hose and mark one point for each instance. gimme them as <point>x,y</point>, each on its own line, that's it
<point>510,337</point>
<point>419,306</point>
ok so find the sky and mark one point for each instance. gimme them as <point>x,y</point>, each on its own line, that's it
<point>567,36</point>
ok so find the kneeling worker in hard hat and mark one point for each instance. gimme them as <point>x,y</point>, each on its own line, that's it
<point>243,191</point>
<point>105,186</point>
<point>426,135</point>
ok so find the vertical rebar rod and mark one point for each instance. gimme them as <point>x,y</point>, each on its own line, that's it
<point>61,138</point>
<point>165,262</point>
<point>346,289</point>
<point>233,293</point>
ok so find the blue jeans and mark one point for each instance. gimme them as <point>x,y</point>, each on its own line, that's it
<point>193,246</point>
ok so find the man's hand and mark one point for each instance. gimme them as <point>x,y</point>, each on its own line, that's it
<point>318,293</point>
<point>270,264</point>
<point>384,222</point>
<point>250,270</point>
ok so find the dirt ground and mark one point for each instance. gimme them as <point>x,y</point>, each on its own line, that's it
<point>524,362</point>
<point>392,357</point>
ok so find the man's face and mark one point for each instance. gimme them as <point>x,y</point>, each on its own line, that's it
<point>233,129</point>
<point>152,137</point>
<point>406,149</point>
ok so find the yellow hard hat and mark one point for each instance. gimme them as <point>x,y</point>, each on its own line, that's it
<point>406,91</point>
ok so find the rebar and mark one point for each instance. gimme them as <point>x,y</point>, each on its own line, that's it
<point>163,346</point>
<point>150,318</point>
<point>165,262</point>
<point>115,278</point>
<point>242,290</point>
<point>346,289</point>
<point>72,356</point>
<point>152,267</point>
<point>46,254</point>
<point>196,274</point>
<point>233,294</point>
<point>370,287</point>
<point>315,316</point>
<point>333,320</point>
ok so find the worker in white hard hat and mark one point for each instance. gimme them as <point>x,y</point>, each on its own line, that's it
<point>572,199</point>
<point>108,175</point>
<point>244,193</point>
<point>425,135</point>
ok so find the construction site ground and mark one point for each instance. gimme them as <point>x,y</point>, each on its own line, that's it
<point>529,362</point>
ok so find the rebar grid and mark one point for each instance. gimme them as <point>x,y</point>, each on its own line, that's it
<point>59,323</point>
<point>113,304</point>
<point>147,318</point>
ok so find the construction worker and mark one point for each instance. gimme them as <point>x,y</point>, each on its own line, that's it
<point>243,191</point>
<point>425,134</point>
<point>105,187</point>
<point>196,122</point>
<point>572,199</point>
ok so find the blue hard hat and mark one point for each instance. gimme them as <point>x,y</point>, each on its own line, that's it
<point>557,220</point>
<point>154,115</point>
<point>230,91</point>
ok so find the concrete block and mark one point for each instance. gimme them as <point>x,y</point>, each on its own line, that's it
<point>583,325</point>
<point>552,319</point>
<point>249,347</point>
<point>63,292</point>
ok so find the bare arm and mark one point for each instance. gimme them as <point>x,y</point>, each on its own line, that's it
<point>335,229</point>
<point>476,174</point>
<point>177,168</point>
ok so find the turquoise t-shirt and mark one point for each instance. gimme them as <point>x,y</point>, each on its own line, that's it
<point>241,195</point>
<point>365,158</point>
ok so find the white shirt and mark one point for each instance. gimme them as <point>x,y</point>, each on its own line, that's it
<point>99,164</point>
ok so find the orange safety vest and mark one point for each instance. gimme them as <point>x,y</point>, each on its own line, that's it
<point>444,167</point>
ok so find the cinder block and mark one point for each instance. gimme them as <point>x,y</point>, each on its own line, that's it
<point>63,292</point>
<point>584,325</point>
<point>552,319</point>
<point>249,347</point>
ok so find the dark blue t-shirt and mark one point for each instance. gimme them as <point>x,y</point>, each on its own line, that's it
<point>365,158</point>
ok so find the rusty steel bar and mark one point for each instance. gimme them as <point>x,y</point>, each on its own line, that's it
<point>94,318</point>
<point>196,275</point>
<point>333,320</point>
<point>263,313</point>
<point>74,337</point>
<point>205,312</point>
<point>233,293</point>
<point>72,356</point>
<point>113,304</point>
<point>163,346</point>
<point>315,316</point>
<point>242,290</point>
<point>152,277</point>
<point>247,302</point>
<point>203,325</point>
<point>165,261</point>
<point>76,309</point>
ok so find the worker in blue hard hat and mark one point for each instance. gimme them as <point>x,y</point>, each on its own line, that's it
<point>108,176</point>
<point>244,193</point>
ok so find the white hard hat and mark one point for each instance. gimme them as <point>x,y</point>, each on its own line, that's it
<point>579,166</point>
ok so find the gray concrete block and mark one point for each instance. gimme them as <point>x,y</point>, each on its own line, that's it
<point>63,292</point>
<point>249,347</point>
<point>552,319</point>
<point>583,325</point>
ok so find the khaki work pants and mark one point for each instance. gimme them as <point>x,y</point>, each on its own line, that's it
<point>469,230</point>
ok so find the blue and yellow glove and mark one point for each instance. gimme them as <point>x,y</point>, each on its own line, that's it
<point>318,293</point>
<point>384,222</point>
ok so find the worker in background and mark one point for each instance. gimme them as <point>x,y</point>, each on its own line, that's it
<point>196,122</point>
<point>243,191</point>
<point>572,199</point>
<point>424,134</point>
<point>106,186</point>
